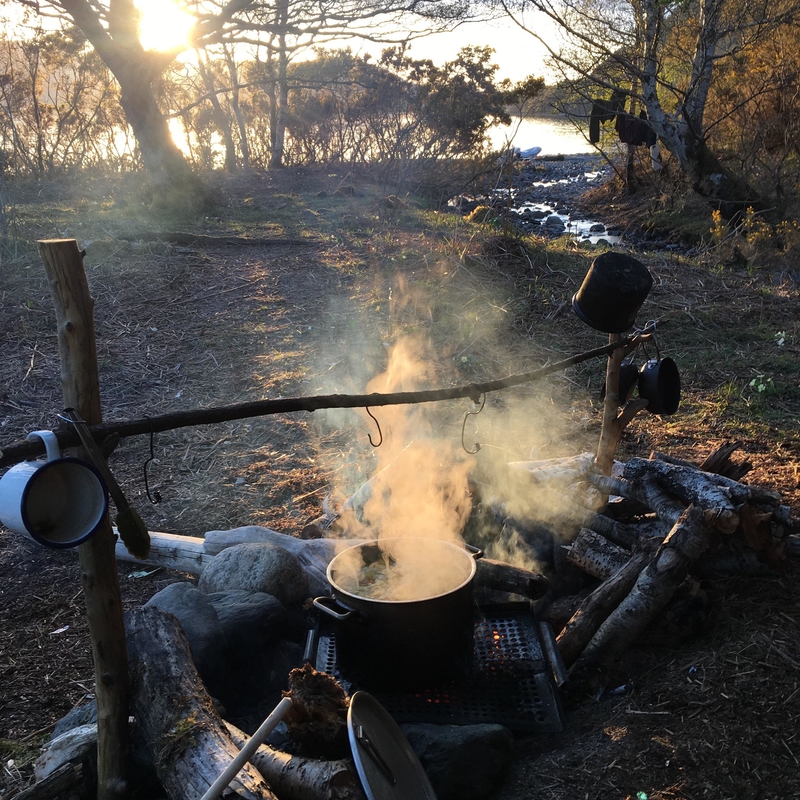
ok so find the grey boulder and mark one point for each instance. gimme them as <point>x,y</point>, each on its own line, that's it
<point>250,620</point>
<point>462,762</point>
<point>256,567</point>
<point>200,624</point>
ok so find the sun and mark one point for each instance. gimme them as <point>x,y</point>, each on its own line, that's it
<point>163,25</point>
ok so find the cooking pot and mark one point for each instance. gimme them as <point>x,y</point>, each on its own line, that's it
<point>628,376</point>
<point>417,628</point>
<point>612,292</point>
<point>660,385</point>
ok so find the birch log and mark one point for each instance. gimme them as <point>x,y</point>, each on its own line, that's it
<point>297,778</point>
<point>190,744</point>
<point>691,486</point>
<point>656,584</point>
<point>596,555</point>
<point>594,610</point>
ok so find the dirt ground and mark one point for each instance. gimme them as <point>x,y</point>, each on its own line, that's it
<point>183,327</point>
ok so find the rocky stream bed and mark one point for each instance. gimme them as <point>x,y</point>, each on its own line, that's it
<point>543,197</point>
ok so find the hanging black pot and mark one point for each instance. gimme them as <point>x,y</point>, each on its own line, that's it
<point>612,292</point>
<point>660,385</point>
<point>628,376</point>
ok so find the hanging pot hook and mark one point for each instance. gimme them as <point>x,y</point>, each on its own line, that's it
<point>651,337</point>
<point>380,432</point>
<point>155,497</point>
<point>472,413</point>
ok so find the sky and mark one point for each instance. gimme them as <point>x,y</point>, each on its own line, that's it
<point>517,53</point>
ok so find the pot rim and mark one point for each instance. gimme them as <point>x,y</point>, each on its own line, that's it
<point>378,542</point>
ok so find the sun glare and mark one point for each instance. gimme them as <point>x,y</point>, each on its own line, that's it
<point>163,25</point>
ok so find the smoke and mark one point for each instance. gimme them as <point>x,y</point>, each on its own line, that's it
<point>421,483</point>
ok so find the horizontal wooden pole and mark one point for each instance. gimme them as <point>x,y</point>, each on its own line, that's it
<point>67,437</point>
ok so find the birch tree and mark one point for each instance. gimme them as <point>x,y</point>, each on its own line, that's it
<point>665,55</point>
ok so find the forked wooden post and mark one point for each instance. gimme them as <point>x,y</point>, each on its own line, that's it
<point>614,421</point>
<point>80,383</point>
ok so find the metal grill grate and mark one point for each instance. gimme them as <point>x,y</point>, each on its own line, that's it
<point>511,682</point>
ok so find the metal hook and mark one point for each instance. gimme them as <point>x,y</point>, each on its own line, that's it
<point>471,413</point>
<point>155,498</point>
<point>380,432</point>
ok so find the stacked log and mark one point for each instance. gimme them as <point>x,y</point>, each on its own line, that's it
<point>685,518</point>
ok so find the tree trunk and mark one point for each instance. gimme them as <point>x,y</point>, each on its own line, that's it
<point>681,132</point>
<point>81,387</point>
<point>189,741</point>
<point>220,120</point>
<point>278,135</point>
<point>118,46</point>
<point>244,146</point>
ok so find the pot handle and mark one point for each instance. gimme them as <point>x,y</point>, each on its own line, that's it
<point>321,604</point>
<point>475,552</point>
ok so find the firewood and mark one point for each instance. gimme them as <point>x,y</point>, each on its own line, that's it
<point>596,555</point>
<point>720,462</point>
<point>594,610</point>
<point>294,777</point>
<point>647,492</point>
<point>563,471</point>
<point>499,576</point>
<point>190,744</point>
<point>67,776</point>
<point>691,486</point>
<point>654,587</point>
<point>626,536</point>
<point>740,492</point>
<point>317,719</point>
<point>657,499</point>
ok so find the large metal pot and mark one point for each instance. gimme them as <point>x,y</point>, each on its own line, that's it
<point>411,634</point>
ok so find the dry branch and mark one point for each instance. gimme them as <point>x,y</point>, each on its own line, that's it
<point>19,451</point>
<point>80,383</point>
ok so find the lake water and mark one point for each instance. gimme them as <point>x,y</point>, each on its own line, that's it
<point>553,134</point>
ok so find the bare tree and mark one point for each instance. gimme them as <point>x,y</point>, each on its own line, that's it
<point>111,26</point>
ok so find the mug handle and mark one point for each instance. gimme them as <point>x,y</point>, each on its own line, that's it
<point>50,443</point>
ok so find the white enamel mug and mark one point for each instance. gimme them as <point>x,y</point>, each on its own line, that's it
<point>58,502</point>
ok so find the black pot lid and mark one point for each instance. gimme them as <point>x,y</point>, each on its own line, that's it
<point>387,766</point>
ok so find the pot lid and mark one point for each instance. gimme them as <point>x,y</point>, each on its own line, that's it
<point>387,766</point>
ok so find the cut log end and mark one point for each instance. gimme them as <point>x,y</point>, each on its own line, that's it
<point>318,718</point>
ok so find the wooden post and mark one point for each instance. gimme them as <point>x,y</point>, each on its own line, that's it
<point>614,423</point>
<point>80,383</point>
